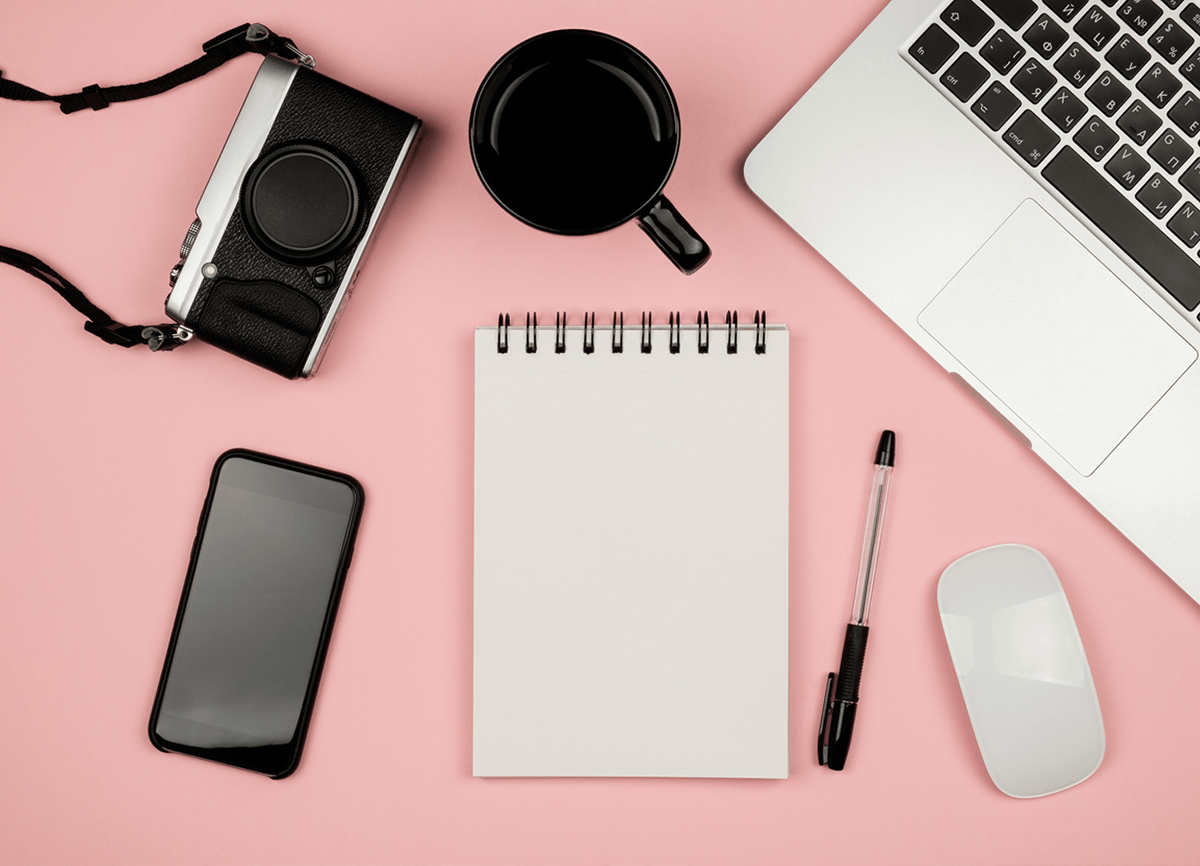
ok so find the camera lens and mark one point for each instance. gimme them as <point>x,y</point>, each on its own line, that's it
<point>301,204</point>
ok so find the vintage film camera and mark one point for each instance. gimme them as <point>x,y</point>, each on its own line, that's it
<point>287,217</point>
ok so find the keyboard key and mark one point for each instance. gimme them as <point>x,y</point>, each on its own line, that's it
<point>1191,69</point>
<point>1014,13</point>
<point>1140,15</point>
<point>1108,94</point>
<point>967,20</point>
<point>964,76</point>
<point>1030,138</point>
<point>1186,114</point>
<point>1033,80</point>
<point>1170,151</point>
<point>1065,9</point>
<point>1186,224</point>
<point>933,48</point>
<point>1097,28</point>
<point>1190,179</point>
<point>996,105</point>
<point>1127,227</point>
<point>1158,196</point>
<point>1002,51</point>
<point>1139,122</point>
<point>1077,65</point>
<point>1127,57</point>
<point>1171,41</point>
<point>1159,85</point>
<point>1127,167</point>
<point>1191,16</point>
<point>1045,36</point>
<point>1065,109</point>
<point>1096,138</point>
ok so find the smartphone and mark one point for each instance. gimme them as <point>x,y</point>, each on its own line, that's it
<point>262,589</point>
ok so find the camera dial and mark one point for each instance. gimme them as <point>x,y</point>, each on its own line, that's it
<point>301,204</point>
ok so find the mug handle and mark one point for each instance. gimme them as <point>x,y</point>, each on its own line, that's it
<point>671,232</point>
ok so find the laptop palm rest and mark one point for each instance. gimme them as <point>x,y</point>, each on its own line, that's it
<point>1056,337</point>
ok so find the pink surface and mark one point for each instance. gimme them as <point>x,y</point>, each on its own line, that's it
<point>107,454</point>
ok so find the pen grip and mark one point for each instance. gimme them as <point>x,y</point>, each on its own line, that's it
<point>854,650</point>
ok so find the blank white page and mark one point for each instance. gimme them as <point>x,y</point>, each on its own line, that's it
<point>631,556</point>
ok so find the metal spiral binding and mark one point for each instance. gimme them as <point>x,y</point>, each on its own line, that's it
<point>560,333</point>
<point>675,326</point>
<point>589,334</point>
<point>502,334</point>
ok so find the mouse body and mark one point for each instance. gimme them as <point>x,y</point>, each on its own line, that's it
<point>1024,675</point>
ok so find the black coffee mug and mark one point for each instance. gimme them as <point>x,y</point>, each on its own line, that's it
<point>576,132</point>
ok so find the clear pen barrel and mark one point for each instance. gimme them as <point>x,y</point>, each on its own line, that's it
<point>876,505</point>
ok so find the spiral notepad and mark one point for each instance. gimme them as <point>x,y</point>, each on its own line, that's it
<point>631,549</point>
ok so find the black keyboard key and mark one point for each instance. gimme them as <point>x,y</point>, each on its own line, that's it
<point>1190,179</point>
<point>995,105</point>
<point>1127,167</point>
<point>1171,151</point>
<point>933,48</point>
<point>1139,122</point>
<point>1186,224</point>
<point>1096,28</point>
<point>1186,114</point>
<point>1096,138</point>
<point>1065,9</point>
<point>1127,227</point>
<point>1045,36</point>
<point>1191,16</point>
<point>964,76</point>
<point>1030,138</point>
<point>1158,196</point>
<point>1065,109</point>
<point>1002,51</point>
<point>1159,85</point>
<point>1033,80</point>
<point>1108,93</point>
<point>1172,4</point>
<point>1191,69</point>
<point>1127,57</point>
<point>1014,13</point>
<point>967,20</point>
<point>1171,41</point>
<point>1077,65</point>
<point>1140,15</point>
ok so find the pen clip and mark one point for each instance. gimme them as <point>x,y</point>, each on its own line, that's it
<point>823,730</point>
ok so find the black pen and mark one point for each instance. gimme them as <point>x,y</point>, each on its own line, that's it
<point>841,701</point>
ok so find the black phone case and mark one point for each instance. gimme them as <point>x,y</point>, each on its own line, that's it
<point>280,761</point>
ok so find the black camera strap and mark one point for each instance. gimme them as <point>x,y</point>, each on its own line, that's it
<point>232,43</point>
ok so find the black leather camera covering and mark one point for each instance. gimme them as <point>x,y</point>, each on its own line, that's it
<point>259,307</point>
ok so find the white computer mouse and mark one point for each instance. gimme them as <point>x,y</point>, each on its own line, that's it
<point>1023,672</point>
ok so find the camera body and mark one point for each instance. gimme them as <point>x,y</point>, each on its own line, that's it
<point>288,216</point>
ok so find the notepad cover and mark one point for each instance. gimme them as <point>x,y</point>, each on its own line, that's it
<point>631,558</point>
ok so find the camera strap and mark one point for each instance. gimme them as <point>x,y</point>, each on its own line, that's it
<point>230,44</point>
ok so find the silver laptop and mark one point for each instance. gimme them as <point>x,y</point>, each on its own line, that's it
<point>1016,183</point>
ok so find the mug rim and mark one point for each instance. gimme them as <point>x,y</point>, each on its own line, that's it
<point>492,75</point>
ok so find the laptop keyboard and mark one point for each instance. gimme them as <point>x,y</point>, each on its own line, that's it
<point>1100,101</point>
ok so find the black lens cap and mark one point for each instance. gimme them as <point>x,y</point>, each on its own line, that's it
<point>301,204</point>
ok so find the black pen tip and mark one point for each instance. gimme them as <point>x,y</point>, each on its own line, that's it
<point>885,455</point>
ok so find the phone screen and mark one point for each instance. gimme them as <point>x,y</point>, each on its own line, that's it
<point>274,545</point>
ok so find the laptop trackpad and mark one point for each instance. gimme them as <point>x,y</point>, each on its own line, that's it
<point>1066,346</point>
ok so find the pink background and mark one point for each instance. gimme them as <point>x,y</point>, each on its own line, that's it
<point>107,453</point>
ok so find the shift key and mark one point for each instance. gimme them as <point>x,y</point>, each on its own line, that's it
<point>1030,138</point>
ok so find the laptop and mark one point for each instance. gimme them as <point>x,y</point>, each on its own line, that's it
<point>1016,183</point>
